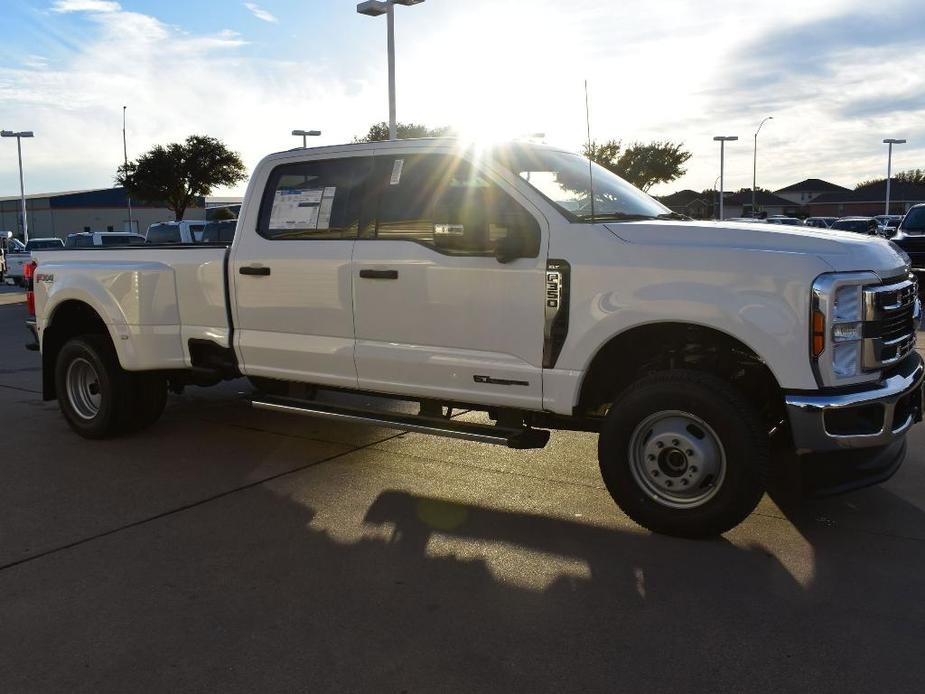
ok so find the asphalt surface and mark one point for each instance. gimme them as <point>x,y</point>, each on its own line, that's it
<point>227,550</point>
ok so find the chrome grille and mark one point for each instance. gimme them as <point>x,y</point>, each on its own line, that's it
<point>891,314</point>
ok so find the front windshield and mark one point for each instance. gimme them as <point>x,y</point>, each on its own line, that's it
<point>564,180</point>
<point>914,221</point>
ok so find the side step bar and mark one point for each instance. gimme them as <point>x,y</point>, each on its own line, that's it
<point>512,437</point>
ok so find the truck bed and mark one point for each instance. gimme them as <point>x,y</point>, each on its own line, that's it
<point>153,299</point>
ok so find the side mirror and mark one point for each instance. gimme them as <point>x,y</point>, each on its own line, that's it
<point>510,247</point>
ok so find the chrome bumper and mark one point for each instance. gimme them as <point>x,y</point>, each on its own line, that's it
<point>877,416</point>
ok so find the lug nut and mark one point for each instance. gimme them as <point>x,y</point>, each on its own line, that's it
<point>675,442</point>
<point>659,444</point>
<point>693,468</point>
<point>668,483</point>
<point>651,457</point>
<point>655,473</point>
<point>689,452</point>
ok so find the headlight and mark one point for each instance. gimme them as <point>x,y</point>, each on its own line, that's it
<point>838,318</point>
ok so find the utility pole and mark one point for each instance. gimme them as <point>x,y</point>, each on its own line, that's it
<point>22,190</point>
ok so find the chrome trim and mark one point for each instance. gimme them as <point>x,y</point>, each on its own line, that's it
<point>807,412</point>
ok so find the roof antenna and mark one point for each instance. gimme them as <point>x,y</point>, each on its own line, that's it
<point>590,152</point>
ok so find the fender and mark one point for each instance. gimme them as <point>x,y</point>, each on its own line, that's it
<point>136,300</point>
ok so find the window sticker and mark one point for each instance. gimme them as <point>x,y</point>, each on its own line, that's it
<point>396,172</point>
<point>295,208</point>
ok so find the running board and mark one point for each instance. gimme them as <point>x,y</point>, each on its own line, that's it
<point>520,438</point>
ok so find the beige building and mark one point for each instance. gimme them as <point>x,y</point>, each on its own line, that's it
<point>60,214</point>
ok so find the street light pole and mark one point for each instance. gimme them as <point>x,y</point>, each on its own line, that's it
<point>889,166</point>
<point>305,134</point>
<point>755,164</point>
<point>374,8</point>
<point>723,139</point>
<point>22,190</point>
<point>128,198</point>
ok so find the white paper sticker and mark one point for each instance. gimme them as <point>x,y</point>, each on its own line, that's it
<point>302,209</point>
<point>396,172</point>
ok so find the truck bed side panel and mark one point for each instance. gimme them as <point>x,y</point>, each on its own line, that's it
<point>153,301</point>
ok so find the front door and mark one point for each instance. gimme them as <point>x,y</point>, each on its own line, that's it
<point>436,313</point>
<point>293,290</point>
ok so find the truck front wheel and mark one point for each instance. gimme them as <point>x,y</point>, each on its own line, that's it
<point>684,453</point>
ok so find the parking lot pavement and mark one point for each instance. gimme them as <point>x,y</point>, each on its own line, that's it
<point>228,550</point>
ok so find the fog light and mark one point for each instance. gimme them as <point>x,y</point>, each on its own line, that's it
<point>843,332</point>
<point>845,359</point>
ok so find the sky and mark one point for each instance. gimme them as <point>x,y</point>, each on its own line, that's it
<point>838,76</point>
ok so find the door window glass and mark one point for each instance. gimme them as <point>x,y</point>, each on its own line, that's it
<point>314,200</point>
<point>445,203</point>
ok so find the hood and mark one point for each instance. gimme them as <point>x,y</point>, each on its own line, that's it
<point>844,251</point>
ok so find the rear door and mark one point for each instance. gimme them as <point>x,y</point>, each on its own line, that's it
<point>436,313</point>
<point>291,273</point>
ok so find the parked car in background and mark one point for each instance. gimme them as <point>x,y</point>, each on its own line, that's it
<point>859,225</point>
<point>910,237</point>
<point>15,262</point>
<point>88,239</point>
<point>219,232</point>
<point>819,222</point>
<point>792,221</point>
<point>175,232</point>
<point>888,223</point>
<point>753,220</point>
<point>10,245</point>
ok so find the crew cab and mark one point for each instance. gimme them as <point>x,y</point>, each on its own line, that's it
<point>517,281</point>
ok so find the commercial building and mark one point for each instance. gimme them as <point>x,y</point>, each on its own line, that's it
<point>106,209</point>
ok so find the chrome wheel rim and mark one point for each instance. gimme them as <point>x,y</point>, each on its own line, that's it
<point>83,388</point>
<point>677,459</point>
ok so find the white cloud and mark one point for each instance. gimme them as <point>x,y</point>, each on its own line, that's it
<point>175,82</point>
<point>260,13</point>
<point>62,6</point>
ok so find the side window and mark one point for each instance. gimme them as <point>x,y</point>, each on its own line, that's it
<point>445,203</point>
<point>314,200</point>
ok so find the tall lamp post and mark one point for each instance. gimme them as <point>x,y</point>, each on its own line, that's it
<point>128,198</point>
<point>755,164</point>
<point>305,135</point>
<point>22,190</point>
<point>889,166</point>
<point>723,139</point>
<point>374,8</point>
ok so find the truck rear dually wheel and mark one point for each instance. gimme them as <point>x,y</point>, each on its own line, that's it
<point>683,453</point>
<point>98,398</point>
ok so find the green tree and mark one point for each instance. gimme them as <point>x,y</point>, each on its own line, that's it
<point>641,164</point>
<point>178,173</point>
<point>379,132</point>
<point>914,176</point>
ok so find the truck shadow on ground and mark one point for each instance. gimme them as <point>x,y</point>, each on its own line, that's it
<point>249,593</point>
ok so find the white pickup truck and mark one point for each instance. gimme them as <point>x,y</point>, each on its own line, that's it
<point>511,280</point>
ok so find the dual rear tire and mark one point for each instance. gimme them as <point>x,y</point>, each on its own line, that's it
<point>683,453</point>
<point>98,398</point>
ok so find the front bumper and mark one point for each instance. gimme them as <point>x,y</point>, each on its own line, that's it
<point>876,416</point>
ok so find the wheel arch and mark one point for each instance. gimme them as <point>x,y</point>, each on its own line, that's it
<point>659,346</point>
<point>68,319</point>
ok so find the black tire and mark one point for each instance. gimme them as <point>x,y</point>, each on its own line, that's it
<point>109,386</point>
<point>633,477</point>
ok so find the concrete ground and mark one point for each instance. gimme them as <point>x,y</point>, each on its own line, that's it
<point>226,549</point>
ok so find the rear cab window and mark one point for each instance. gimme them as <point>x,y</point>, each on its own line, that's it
<point>163,233</point>
<point>314,200</point>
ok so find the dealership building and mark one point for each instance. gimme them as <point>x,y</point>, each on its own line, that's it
<point>106,209</point>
